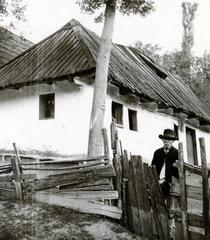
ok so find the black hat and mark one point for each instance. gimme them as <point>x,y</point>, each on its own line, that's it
<point>168,134</point>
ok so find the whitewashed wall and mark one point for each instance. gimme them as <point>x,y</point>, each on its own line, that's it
<point>67,133</point>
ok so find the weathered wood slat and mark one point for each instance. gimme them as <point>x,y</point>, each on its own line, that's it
<point>96,183</point>
<point>82,205</point>
<point>157,202</point>
<point>7,178</point>
<point>133,212</point>
<point>58,167</point>
<point>183,199</point>
<point>94,195</point>
<point>62,161</point>
<point>206,195</point>
<point>194,220</point>
<point>118,181</point>
<point>191,191</point>
<point>74,176</point>
<point>125,173</point>
<point>142,197</point>
<point>7,185</point>
<point>6,194</point>
<point>93,188</point>
<point>196,236</point>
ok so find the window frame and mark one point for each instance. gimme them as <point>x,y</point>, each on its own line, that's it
<point>44,107</point>
<point>132,120</point>
<point>190,132</point>
<point>117,109</point>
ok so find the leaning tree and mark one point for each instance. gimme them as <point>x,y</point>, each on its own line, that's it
<point>126,7</point>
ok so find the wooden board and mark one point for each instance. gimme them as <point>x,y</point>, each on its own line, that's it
<point>157,202</point>
<point>193,192</point>
<point>133,213</point>
<point>142,197</point>
<point>76,176</point>
<point>103,183</point>
<point>82,205</point>
<point>6,194</point>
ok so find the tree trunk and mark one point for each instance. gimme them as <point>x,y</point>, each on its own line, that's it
<point>100,88</point>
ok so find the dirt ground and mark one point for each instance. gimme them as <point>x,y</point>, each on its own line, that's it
<point>35,221</point>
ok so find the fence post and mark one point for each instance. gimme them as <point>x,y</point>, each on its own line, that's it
<point>205,176</point>
<point>17,174</point>
<point>106,144</point>
<point>183,200</point>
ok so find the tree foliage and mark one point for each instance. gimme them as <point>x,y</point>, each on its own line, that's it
<point>142,7</point>
<point>13,10</point>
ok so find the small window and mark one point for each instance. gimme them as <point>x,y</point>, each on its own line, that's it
<point>132,116</point>
<point>176,130</point>
<point>191,146</point>
<point>47,106</point>
<point>117,112</point>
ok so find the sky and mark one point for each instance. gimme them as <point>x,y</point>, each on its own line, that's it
<point>162,27</point>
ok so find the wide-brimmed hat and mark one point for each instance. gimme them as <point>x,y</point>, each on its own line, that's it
<point>168,134</point>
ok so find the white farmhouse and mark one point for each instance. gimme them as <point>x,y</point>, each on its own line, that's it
<point>46,97</point>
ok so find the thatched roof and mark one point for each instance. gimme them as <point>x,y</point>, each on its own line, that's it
<point>11,45</point>
<point>72,51</point>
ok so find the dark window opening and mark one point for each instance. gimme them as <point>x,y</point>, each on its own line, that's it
<point>117,112</point>
<point>191,146</point>
<point>132,115</point>
<point>47,106</point>
<point>176,130</point>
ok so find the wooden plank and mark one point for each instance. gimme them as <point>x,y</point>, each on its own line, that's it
<point>7,185</point>
<point>106,143</point>
<point>93,188</point>
<point>114,135</point>
<point>6,194</point>
<point>183,199</point>
<point>58,167</point>
<point>194,220</point>
<point>89,183</point>
<point>157,202</point>
<point>55,161</point>
<point>17,161</point>
<point>17,178</point>
<point>118,180</point>
<point>7,178</point>
<point>94,195</point>
<point>191,191</point>
<point>205,176</point>
<point>75,176</point>
<point>133,216</point>
<point>142,197</point>
<point>125,173</point>
<point>196,236</point>
<point>16,169</point>
<point>191,168</point>
<point>81,205</point>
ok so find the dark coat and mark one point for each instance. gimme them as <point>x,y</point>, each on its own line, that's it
<point>169,158</point>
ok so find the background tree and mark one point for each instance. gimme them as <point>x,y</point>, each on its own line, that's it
<point>188,16</point>
<point>11,12</point>
<point>126,7</point>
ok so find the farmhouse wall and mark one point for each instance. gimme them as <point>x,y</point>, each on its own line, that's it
<point>67,132</point>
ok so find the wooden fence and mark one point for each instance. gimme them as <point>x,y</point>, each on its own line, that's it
<point>144,210</point>
<point>83,184</point>
<point>189,199</point>
<point>185,214</point>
